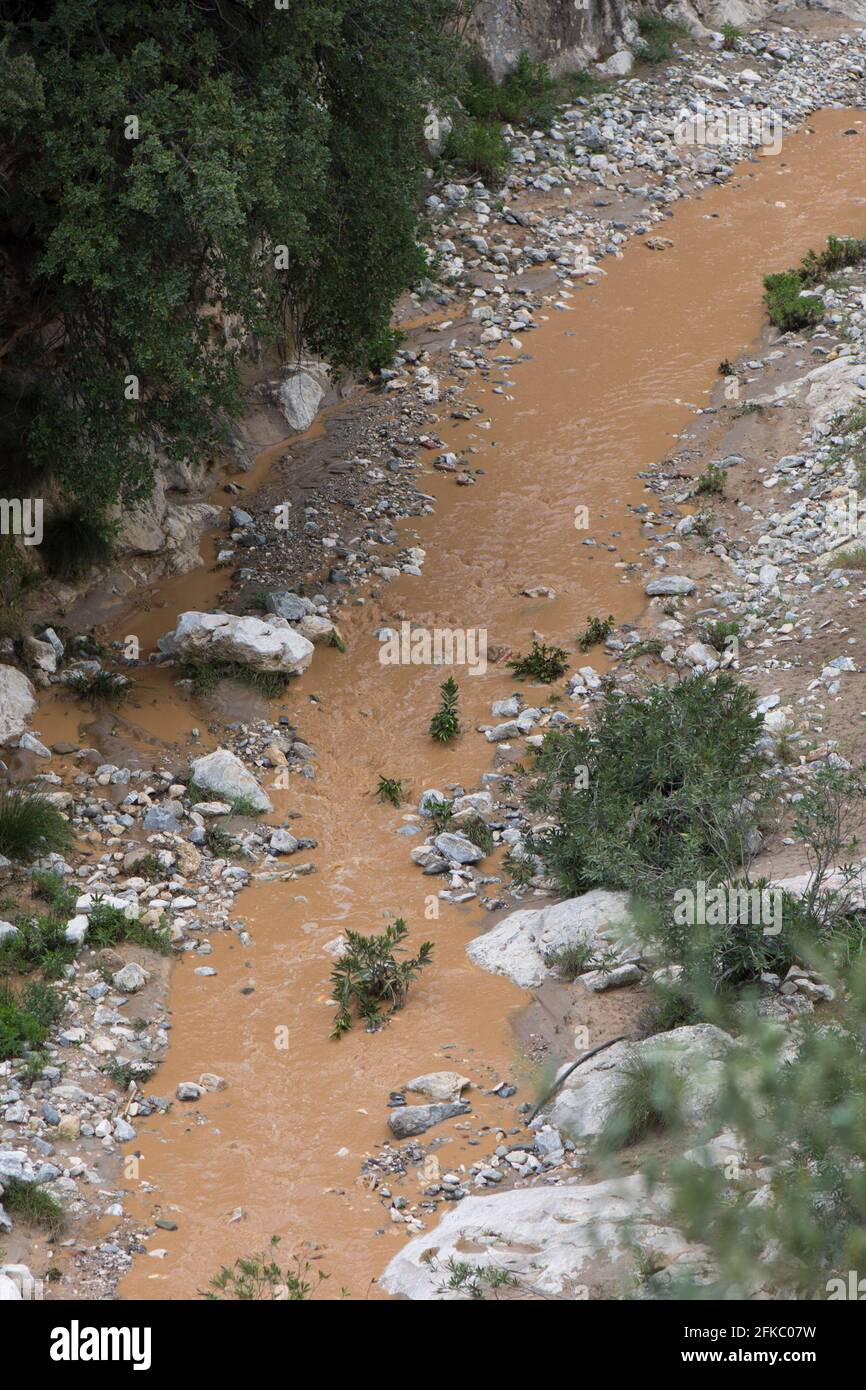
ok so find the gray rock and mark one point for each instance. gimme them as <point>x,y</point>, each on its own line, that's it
<point>300,396</point>
<point>521,943</point>
<point>17,703</point>
<point>457,847</point>
<point>223,773</point>
<point>670,584</point>
<point>292,607</point>
<point>409,1120</point>
<point>131,978</point>
<point>164,817</point>
<point>281,842</point>
<point>260,644</point>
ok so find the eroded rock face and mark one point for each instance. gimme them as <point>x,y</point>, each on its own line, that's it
<point>262,644</point>
<point>17,703</point>
<point>521,943</point>
<point>553,1240</point>
<point>223,773</point>
<point>589,1096</point>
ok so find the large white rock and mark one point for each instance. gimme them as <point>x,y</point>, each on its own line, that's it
<point>519,945</point>
<point>554,1240</point>
<point>589,1096</point>
<point>224,773</point>
<point>270,644</point>
<point>827,392</point>
<point>17,703</point>
<point>300,396</point>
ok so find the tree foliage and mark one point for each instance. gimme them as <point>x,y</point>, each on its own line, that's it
<point>183,181</point>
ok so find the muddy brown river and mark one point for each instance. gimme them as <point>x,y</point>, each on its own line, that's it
<point>611,382</point>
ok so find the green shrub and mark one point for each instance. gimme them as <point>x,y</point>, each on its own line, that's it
<point>597,630</point>
<point>840,252</point>
<point>369,979</point>
<point>543,663</point>
<point>712,480</point>
<point>260,1277</point>
<point>797,1102</point>
<point>39,944</point>
<point>477,147</point>
<point>571,961</point>
<point>787,307</point>
<point>730,36</point>
<point>658,35</point>
<point>445,724</point>
<point>25,1018</point>
<point>277,169</point>
<point>101,687</point>
<point>206,676</point>
<point>110,925</point>
<point>29,824</point>
<point>390,789</point>
<point>663,801</point>
<point>718,634</point>
<point>476,829</point>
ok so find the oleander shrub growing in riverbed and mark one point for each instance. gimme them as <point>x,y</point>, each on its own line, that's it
<point>445,724</point>
<point>788,306</point>
<point>261,1277</point>
<point>369,980</point>
<point>655,793</point>
<point>29,824</point>
<point>541,663</point>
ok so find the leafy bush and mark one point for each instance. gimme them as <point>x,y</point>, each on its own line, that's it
<point>206,676</point>
<point>543,663</point>
<point>370,979</point>
<point>275,169</point>
<point>477,147</point>
<point>109,925</point>
<point>658,35</point>
<point>39,944</point>
<point>571,961</point>
<point>260,1277</point>
<point>664,799</point>
<point>25,1018</point>
<point>718,634</point>
<point>787,307</point>
<point>712,480</point>
<point>797,1102</point>
<point>101,687</point>
<point>445,723</point>
<point>390,789</point>
<point>476,829</point>
<point>29,824</point>
<point>596,630</point>
<point>648,1099</point>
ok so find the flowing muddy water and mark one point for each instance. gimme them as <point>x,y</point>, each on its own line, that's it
<point>603,396</point>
